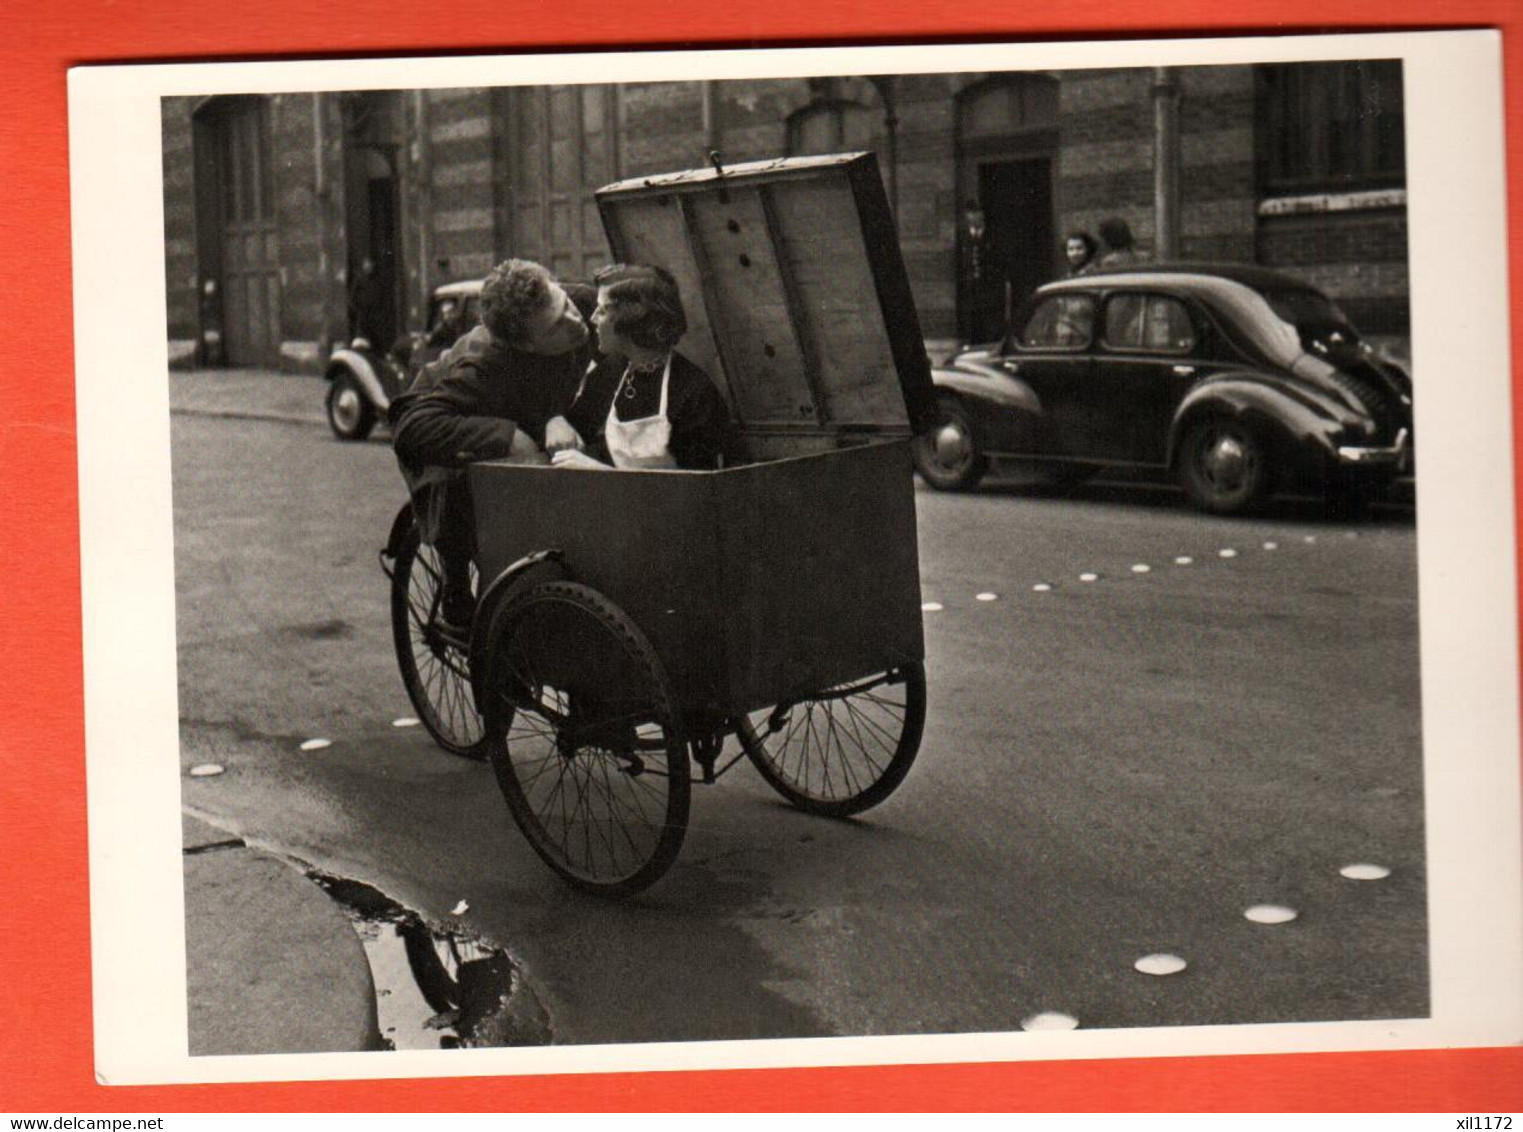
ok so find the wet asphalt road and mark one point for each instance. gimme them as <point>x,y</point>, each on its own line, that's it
<point>1110,769</point>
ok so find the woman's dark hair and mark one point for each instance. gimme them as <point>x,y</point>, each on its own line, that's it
<point>1090,245</point>
<point>1116,233</point>
<point>644,304</point>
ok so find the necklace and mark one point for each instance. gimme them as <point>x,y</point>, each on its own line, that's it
<point>633,372</point>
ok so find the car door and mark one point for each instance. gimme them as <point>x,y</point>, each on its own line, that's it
<point>1050,352</point>
<point>1149,354</point>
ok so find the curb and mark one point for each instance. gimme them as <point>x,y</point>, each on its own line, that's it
<point>272,964</point>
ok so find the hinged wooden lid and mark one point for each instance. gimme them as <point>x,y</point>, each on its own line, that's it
<point>798,303</point>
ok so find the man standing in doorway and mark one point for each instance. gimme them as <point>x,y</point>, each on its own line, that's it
<point>369,303</point>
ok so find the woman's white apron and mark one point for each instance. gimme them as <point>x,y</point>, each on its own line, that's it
<point>643,443</point>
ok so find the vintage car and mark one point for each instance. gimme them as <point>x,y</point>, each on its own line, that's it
<point>363,379</point>
<point>1237,380</point>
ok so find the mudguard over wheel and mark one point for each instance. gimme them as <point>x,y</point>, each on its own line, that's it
<point>586,739</point>
<point>432,656</point>
<point>842,750</point>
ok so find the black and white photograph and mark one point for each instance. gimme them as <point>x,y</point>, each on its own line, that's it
<point>667,560</point>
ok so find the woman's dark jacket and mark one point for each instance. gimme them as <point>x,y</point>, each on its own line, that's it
<point>697,412</point>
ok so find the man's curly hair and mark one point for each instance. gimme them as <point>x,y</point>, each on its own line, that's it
<point>645,304</point>
<point>515,290</point>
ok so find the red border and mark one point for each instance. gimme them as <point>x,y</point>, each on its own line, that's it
<point>45,1016</point>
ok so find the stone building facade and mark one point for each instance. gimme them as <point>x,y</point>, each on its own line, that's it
<point>274,203</point>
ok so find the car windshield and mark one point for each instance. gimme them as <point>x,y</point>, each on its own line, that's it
<point>1315,317</point>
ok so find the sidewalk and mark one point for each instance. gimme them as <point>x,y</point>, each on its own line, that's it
<point>272,964</point>
<point>249,394</point>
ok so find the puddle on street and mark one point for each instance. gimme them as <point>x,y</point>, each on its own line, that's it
<point>437,989</point>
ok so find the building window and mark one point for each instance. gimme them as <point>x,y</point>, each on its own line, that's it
<point>1330,126</point>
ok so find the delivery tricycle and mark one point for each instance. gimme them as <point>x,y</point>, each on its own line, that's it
<point>628,624</point>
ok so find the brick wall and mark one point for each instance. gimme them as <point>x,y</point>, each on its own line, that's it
<point>464,153</point>
<point>927,192</point>
<point>463,206</point>
<point>181,273</point>
<point>1358,257</point>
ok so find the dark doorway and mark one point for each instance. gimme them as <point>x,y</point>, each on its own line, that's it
<point>238,245</point>
<point>1015,254</point>
<point>372,215</point>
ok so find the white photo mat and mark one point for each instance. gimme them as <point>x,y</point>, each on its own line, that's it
<point>1465,537</point>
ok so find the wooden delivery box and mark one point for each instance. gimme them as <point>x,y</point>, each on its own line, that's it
<point>795,567</point>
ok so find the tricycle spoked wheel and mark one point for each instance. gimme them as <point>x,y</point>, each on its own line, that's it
<point>432,654</point>
<point>585,738</point>
<point>845,749</point>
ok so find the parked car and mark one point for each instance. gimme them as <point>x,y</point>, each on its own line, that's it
<point>1237,380</point>
<point>363,379</point>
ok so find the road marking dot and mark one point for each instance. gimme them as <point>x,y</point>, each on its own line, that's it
<point>205,770</point>
<point>1049,1020</point>
<point>460,909</point>
<point>1310,538</point>
<point>1183,560</point>
<point>1227,552</point>
<point>1270,914</point>
<point>1365,871</point>
<point>1042,587</point>
<point>316,744</point>
<point>1089,577</point>
<point>931,607</point>
<point>1141,568</point>
<point>405,721</point>
<point>987,596</point>
<point>1271,546</point>
<point>1161,964</point>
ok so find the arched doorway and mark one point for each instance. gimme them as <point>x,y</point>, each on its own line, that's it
<point>238,246</point>
<point>372,213</point>
<point>1007,142</point>
<point>836,122</point>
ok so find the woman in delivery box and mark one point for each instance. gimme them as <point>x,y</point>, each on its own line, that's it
<point>643,405</point>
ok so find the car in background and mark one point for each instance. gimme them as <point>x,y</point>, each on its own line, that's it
<point>363,380</point>
<point>1238,381</point>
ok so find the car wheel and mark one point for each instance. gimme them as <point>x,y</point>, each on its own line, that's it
<point>946,455</point>
<point>351,416</point>
<point>1223,466</point>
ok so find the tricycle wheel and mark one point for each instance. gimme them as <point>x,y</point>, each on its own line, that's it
<point>845,749</point>
<point>585,739</point>
<point>432,655</point>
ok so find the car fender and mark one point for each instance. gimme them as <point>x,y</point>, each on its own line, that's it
<point>991,395</point>
<point>364,371</point>
<point>1307,429</point>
